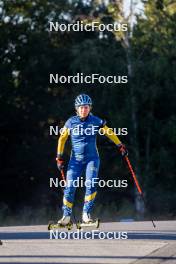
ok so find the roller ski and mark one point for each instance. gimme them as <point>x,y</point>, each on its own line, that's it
<point>87,221</point>
<point>64,222</point>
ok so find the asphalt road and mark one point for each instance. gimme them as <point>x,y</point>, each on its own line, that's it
<point>120,242</point>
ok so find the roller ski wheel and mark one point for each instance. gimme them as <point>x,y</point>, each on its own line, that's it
<point>95,223</point>
<point>52,225</point>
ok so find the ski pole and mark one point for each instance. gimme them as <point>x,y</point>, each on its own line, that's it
<point>63,176</point>
<point>64,179</point>
<point>136,182</point>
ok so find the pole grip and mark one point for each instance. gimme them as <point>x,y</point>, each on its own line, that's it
<point>63,175</point>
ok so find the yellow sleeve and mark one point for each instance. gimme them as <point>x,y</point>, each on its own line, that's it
<point>62,139</point>
<point>108,132</point>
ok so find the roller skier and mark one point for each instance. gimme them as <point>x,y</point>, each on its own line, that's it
<point>84,155</point>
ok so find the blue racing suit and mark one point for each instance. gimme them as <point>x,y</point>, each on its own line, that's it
<point>84,158</point>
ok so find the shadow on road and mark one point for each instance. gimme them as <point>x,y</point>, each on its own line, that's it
<point>46,235</point>
<point>162,258</point>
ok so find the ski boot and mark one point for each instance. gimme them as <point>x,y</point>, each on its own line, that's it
<point>87,221</point>
<point>64,222</point>
<point>86,218</point>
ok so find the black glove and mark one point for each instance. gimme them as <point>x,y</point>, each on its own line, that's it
<point>123,150</point>
<point>60,163</point>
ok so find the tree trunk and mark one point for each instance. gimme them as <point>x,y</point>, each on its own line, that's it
<point>139,205</point>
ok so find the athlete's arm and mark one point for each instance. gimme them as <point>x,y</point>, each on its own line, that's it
<point>61,142</point>
<point>60,148</point>
<point>108,132</point>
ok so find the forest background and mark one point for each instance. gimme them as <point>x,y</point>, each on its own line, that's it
<point>29,104</point>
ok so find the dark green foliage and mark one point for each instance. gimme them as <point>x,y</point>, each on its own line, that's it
<point>29,104</point>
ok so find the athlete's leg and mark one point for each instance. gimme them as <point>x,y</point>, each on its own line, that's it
<point>74,171</point>
<point>92,183</point>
